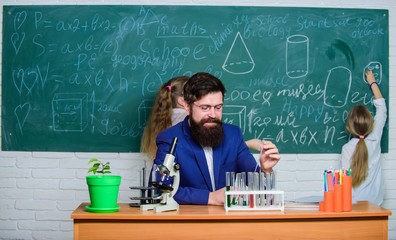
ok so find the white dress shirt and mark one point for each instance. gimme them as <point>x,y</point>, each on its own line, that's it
<point>209,160</point>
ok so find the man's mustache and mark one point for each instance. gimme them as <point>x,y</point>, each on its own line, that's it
<point>211,120</point>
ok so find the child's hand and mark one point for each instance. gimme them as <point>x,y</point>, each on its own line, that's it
<point>370,77</point>
<point>254,144</point>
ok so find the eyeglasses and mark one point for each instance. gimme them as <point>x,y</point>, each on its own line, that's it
<point>206,108</point>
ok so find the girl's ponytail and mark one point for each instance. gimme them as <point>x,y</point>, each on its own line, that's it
<point>360,123</point>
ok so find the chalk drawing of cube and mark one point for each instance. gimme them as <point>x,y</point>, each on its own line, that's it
<point>235,115</point>
<point>144,111</point>
<point>70,112</point>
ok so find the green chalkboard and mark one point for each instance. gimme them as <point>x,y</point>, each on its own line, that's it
<point>83,78</point>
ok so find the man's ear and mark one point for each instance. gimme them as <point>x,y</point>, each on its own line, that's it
<point>186,107</point>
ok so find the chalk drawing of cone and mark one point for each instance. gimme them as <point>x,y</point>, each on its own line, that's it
<point>238,60</point>
<point>338,85</point>
<point>297,56</point>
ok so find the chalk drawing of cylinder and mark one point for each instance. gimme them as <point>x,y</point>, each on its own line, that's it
<point>297,56</point>
<point>338,85</point>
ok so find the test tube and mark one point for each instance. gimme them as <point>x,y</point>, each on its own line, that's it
<point>243,188</point>
<point>228,175</point>
<point>270,185</point>
<point>232,187</point>
<point>256,186</point>
<point>262,187</point>
<point>237,185</point>
<point>250,188</point>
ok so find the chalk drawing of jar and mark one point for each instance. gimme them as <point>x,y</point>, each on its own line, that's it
<point>338,85</point>
<point>297,56</point>
<point>238,60</point>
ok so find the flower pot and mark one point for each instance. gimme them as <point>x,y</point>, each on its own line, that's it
<point>103,192</point>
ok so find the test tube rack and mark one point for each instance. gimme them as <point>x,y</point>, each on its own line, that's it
<point>263,200</point>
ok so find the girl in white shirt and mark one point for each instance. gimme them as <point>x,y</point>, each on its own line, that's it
<point>362,153</point>
<point>166,112</point>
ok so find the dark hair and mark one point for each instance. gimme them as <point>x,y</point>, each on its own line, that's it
<point>201,84</point>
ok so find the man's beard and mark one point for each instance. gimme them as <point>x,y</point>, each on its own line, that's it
<point>207,136</point>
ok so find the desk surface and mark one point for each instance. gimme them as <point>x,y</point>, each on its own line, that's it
<point>365,221</point>
<point>196,212</point>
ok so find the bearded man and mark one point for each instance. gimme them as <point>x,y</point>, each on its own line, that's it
<point>208,148</point>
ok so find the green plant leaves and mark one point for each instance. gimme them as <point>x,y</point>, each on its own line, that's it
<point>93,160</point>
<point>99,167</point>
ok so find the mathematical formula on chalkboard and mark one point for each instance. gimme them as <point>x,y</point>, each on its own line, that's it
<point>83,78</point>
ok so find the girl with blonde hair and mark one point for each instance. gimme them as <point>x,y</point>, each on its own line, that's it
<point>167,111</point>
<point>362,153</point>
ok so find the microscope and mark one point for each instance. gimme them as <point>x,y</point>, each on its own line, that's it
<point>167,169</point>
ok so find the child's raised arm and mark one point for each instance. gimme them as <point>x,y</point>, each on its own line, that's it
<point>373,84</point>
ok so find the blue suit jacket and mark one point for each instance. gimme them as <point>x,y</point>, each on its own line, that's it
<point>232,155</point>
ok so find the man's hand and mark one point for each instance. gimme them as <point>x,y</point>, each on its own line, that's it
<point>269,156</point>
<point>216,197</point>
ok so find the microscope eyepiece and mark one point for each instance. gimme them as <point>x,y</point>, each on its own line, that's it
<point>173,146</point>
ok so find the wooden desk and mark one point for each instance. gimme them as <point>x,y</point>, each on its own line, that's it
<point>365,221</point>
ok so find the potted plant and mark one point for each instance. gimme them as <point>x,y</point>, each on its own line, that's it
<point>103,189</point>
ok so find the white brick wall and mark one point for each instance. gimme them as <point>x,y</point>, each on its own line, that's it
<point>39,190</point>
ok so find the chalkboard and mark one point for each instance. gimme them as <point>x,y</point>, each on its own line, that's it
<point>83,78</point>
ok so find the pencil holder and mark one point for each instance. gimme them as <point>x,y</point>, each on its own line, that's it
<point>337,190</point>
<point>338,203</point>
<point>329,201</point>
<point>321,206</point>
<point>347,193</point>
